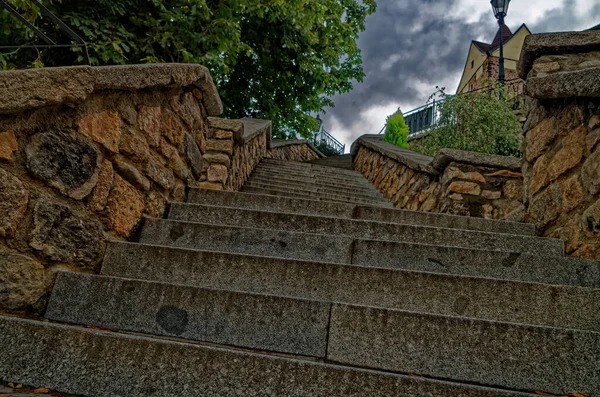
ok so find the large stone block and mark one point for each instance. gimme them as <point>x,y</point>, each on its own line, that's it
<point>539,139</point>
<point>590,173</point>
<point>102,189</point>
<point>64,236</point>
<point>591,219</point>
<point>570,154</point>
<point>217,173</point>
<point>462,187</point>
<point>134,146</point>
<point>217,145</point>
<point>193,155</point>
<point>8,145</point>
<point>131,174</point>
<point>13,203</point>
<point>149,121</point>
<point>546,206</point>
<point>173,129</point>
<point>159,174</point>
<point>103,127</point>
<point>191,111</point>
<point>572,193</point>
<point>66,162</point>
<point>125,207</point>
<point>22,281</point>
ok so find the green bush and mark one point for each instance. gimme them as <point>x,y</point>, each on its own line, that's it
<point>327,150</point>
<point>396,131</point>
<point>479,122</point>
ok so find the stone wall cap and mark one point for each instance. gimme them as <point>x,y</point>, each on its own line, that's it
<point>537,45</point>
<point>579,83</point>
<point>447,156</point>
<point>254,127</point>
<point>407,157</point>
<point>22,90</point>
<point>275,143</point>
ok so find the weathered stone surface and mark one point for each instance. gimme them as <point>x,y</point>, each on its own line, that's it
<point>222,134</point>
<point>463,187</point>
<point>217,158</point>
<point>546,206</point>
<point>217,173</point>
<point>125,207</point>
<point>149,121</point>
<point>540,177</point>
<point>590,173</point>
<point>156,204</point>
<point>138,77</point>
<point>447,156</point>
<point>13,203</point>
<point>178,193</point>
<point>66,162</point>
<point>191,112</point>
<point>491,195</point>
<point>173,128</point>
<point>8,145</point>
<point>543,68</point>
<point>211,185</point>
<point>193,155</point>
<point>455,172</point>
<point>64,236</point>
<point>225,146</point>
<point>102,189</point>
<point>134,146</point>
<point>104,128</point>
<point>506,174</point>
<point>594,122</point>
<point>572,193</point>
<point>591,218</point>
<point>579,83</point>
<point>131,174</point>
<point>539,139</point>
<point>570,154</point>
<point>177,165</point>
<point>513,189</point>
<point>22,281</point>
<point>235,126</point>
<point>159,174</point>
<point>592,140</point>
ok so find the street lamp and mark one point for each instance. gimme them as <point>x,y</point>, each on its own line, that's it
<point>500,8</point>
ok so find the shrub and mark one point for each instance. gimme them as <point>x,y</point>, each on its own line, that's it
<point>479,122</point>
<point>327,150</point>
<point>396,131</point>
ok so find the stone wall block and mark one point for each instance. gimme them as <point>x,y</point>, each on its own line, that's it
<point>156,204</point>
<point>134,146</point>
<point>193,155</point>
<point>61,235</point>
<point>149,121</point>
<point>22,281</point>
<point>105,181</point>
<point>540,138</point>
<point>131,174</point>
<point>190,112</point>
<point>173,128</point>
<point>179,168</point>
<point>66,162</point>
<point>540,177</point>
<point>125,207</point>
<point>222,134</point>
<point>513,189</point>
<point>590,173</point>
<point>211,185</point>
<point>217,145</point>
<point>8,145</point>
<point>103,127</point>
<point>491,195</point>
<point>572,193</point>
<point>570,154</point>
<point>13,203</point>
<point>464,187</point>
<point>159,174</point>
<point>178,193</point>
<point>217,173</point>
<point>546,206</point>
<point>591,141</point>
<point>218,158</point>
<point>590,219</point>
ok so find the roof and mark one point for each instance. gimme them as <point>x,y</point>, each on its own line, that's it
<point>506,34</point>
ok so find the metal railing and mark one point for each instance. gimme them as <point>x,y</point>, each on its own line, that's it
<point>322,137</point>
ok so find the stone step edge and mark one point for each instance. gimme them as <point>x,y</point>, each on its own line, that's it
<point>477,292</point>
<point>310,181</point>
<point>527,229</point>
<point>312,189</point>
<point>175,208</point>
<point>28,340</point>
<point>309,166</point>
<point>317,197</point>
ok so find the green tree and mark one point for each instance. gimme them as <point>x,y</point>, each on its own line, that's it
<point>479,122</point>
<point>396,130</point>
<point>273,59</point>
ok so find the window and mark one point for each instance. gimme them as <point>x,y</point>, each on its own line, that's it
<point>472,64</point>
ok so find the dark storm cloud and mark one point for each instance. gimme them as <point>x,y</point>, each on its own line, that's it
<point>405,43</point>
<point>566,17</point>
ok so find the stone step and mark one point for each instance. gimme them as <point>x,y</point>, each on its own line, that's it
<point>351,211</point>
<point>310,182</point>
<point>107,364</point>
<point>253,321</point>
<point>342,161</point>
<point>295,165</point>
<point>286,172</point>
<point>483,298</point>
<point>319,197</point>
<point>302,189</point>
<point>364,229</point>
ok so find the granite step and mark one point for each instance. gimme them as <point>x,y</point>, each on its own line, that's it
<point>351,211</point>
<point>342,161</point>
<point>483,298</point>
<point>253,321</point>
<point>152,367</point>
<point>300,166</point>
<point>311,182</point>
<point>364,229</point>
<point>319,197</point>
<point>306,168</point>
<point>287,173</point>
<point>302,189</point>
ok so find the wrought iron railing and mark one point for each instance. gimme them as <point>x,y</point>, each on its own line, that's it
<point>324,138</point>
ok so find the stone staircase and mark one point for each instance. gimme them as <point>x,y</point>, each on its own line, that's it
<point>309,284</point>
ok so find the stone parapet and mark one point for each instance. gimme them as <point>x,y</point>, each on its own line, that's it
<point>455,182</point>
<point>562,133</point>
<point>293,150</point>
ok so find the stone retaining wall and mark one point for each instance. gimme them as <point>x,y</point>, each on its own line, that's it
<point>455,182</point>
<point>562,136</point>
<point>86,152</point>
<point>293,150</point>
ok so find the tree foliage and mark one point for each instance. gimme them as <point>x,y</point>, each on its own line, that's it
<point>479,122</point>
<point>396,131</point>
<point>274,59</point>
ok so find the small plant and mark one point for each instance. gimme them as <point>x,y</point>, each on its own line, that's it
<point>396,130</point>
<point>479,122</point>
<point>327,150</point>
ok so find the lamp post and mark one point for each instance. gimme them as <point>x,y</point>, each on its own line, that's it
<point>500,8</point>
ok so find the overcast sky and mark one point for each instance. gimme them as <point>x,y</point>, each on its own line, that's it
<point>412,46</point>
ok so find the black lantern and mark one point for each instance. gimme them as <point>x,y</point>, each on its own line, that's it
<point>500,8</point>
